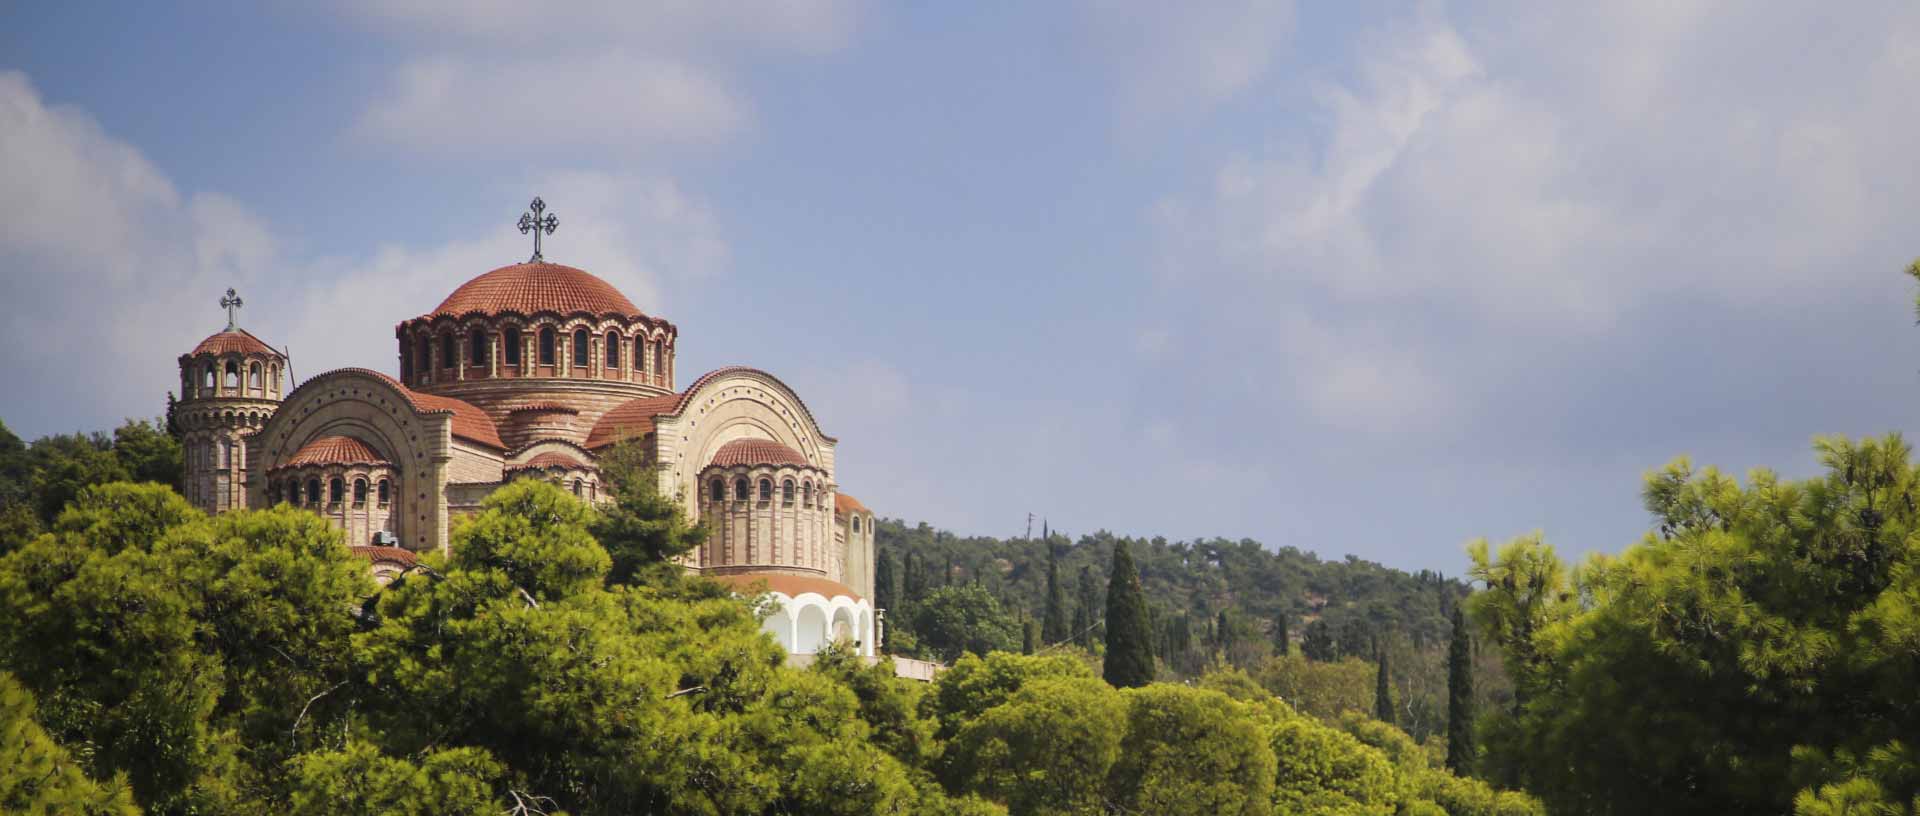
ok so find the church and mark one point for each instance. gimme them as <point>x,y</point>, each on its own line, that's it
<point>535,370</point>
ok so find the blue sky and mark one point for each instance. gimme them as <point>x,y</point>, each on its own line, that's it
<point>1359,278</point>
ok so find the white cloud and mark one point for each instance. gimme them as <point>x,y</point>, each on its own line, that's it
<point>1466,204</point>
<point>529,80</point>
<point>119,267</point>
<point>791,25</point>
<point>1176,55</point>
<point>543,106</point>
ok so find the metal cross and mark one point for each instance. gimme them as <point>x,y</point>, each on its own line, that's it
<point>532,222</point>
<point>232,304</point>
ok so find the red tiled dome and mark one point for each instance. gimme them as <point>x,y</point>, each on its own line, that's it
<point>792,586</point>
<point>549,460</point>
<point>758,452</point>
<point>334,450</point>
<point>536,287</point>
<point>377,554</point>
<point>234,341</point>
<point>844,504</point>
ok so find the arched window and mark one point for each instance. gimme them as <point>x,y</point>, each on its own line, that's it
<point>424,365</point>
<point>740,490</point>
<point>658,369</point>
<point>786,492</point>
<point>613,351</point>
<point>766,490</point>
<point>479,351</point>
<point>580,348</point>
<point>546,346</point>
<point>313,491</point>
<point>386,492</point>
<point>718,490</point>
<point>226,453</point>
<point>639,354</point>
<point>233,374</point>
<point>209,381</point>
<point>449,355</point>
<point>512,342</point>
<point>856,524</point>
<point>255,380</point>
<point>576,487</point>
<point>806,494</point>
<point>337,491</point>
<point>359,493</point>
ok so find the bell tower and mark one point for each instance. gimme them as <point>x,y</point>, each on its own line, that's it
<point>230,384</point>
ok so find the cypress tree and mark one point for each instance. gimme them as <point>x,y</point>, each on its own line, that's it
<point>1086,618</point>
<point>1460,751</point>
<point>1383,688</point>
<point>1280,640</point>
<point>884,590</point>
<point>1026,636</point>
<point>1223,633</point>
<point>1129,660</point>
<point>1054,627</point>
<point>916,582</point>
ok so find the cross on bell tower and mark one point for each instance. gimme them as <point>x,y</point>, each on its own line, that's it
<point>534,223</point>
<point>232,304</point>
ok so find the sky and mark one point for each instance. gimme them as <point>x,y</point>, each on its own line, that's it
<point>1359,278</point>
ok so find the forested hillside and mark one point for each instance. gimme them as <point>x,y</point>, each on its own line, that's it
<point>1214,603</point>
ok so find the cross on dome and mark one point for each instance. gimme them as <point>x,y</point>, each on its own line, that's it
<point>232,304</point>
<point>532,222</point>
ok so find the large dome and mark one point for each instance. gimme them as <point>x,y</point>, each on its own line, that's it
<point>528,288</point>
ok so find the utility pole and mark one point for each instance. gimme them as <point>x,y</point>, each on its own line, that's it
<point>1029,526</point>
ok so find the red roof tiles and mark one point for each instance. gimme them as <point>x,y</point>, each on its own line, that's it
<point>844,504</point>
<point>233,341</point>
<point>536,287</point>
<point>334,450</point>
<point>758,452</point>
<point>550,459</point>
<point>630,418</point>
<point>469,423</point>
<point>393,554</point>
<point>792,586</point>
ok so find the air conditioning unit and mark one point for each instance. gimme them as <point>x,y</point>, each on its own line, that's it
<point>386,538</point>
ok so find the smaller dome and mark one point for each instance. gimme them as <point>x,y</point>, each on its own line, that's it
<point>334,450</point>
<point>233,341</point>
<point>758,452</point>
<point>844,504</point>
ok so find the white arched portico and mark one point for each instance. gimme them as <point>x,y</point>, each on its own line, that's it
<point>808,613</point>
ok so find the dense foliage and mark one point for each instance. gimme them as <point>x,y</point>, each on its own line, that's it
<point>154,658</point>
<point>38,480</point>
<point>1756,653</point>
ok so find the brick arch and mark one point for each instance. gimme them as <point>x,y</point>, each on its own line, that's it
<point>367,406</point>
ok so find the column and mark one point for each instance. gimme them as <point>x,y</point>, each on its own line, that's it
<point>461,350</point>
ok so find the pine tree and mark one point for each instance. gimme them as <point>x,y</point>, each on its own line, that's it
<point>1460,750</point>
<point>1086,618</point>
<point>1280,641</point>
<point>1383,688</point>
<point>1054,627</point>
<point>1129,660</point>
